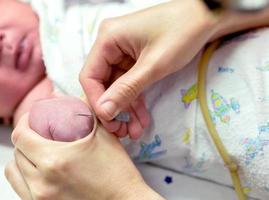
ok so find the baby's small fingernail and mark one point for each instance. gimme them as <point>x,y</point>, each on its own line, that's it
<point>110,108</point>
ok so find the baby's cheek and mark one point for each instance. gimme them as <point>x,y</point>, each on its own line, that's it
<point>62,119</point>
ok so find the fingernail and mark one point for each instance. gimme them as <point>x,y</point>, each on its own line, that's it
<point>110,108</point>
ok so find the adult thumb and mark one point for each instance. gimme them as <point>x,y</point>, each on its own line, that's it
<point>122,92</point>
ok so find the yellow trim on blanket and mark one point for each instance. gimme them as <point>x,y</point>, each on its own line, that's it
<point>202,71</point>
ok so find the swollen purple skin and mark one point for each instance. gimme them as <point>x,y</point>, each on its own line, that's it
<point>62,119</point>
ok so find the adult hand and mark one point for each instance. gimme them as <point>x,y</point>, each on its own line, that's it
<point>133,51</point>
<point>93,168</point>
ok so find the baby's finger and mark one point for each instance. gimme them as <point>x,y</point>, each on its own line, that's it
<point>111,126</point>
<point>134,127</point>
<point>122,132</point>
<point>17,181</point>
<point>141,112</point>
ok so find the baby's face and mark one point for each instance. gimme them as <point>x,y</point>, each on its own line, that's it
<point>21,65</point>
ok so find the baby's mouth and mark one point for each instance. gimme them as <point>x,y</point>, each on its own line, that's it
<point>24,54</point>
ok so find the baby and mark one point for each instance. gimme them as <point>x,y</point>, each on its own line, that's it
<point>23,80</point>
<point>21,50</point>
<point>237,88</point>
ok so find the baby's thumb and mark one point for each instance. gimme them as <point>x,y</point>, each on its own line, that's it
<point>122,93</point>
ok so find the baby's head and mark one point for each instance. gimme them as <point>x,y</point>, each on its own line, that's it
<point>21,65</point>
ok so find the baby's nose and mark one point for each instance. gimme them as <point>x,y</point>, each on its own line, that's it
<point>5,42</point>
<point>8,45</point>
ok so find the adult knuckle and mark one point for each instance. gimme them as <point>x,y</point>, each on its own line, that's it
<point>18,130</point>
<point>15,136</point>
<point>82,77</point>
<point>40,195</point>
<point>8,172</point>
<point>44,192</point>
<point>130,88</point>
<point>108,26</point>
<point>54,166</point>
<point>84,73</point>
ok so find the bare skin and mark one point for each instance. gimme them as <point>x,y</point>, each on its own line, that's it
<point>54,177</point>
<point>39,174</point>
<point>125,59</point>
<point>23,80</point>
<point>62,118</point>
<point>22,72</point>
<point>21,65</point>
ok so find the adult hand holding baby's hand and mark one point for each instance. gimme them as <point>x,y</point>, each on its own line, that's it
<point>62,118</point>
<point>93,168</point>
<point>134,51</point>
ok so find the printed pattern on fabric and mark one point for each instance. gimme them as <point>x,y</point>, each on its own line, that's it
<point>238,90</point>
<point>150,151</point>
<point>222,108</point>
<point>189,95</point>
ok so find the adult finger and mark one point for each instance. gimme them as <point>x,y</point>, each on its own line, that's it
<point>17,181</point>
<point>129,86</point>
<point>97,69</point>
<point>26,167</point>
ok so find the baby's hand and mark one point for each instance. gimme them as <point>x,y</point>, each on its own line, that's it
<point>62,119</point>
